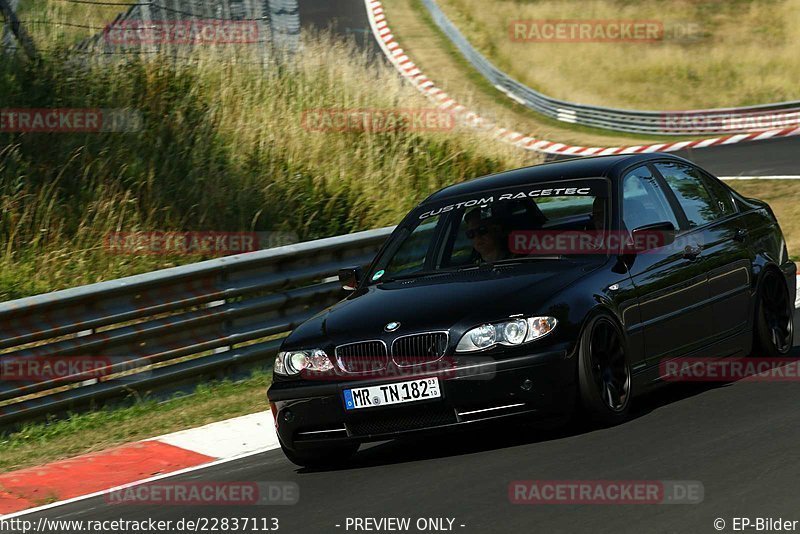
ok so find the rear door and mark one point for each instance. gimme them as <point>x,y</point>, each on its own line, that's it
<point>721,232</point>
<point>672,289</point>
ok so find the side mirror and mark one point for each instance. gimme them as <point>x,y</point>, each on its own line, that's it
<point>651,236</point>
<point>350,277</point>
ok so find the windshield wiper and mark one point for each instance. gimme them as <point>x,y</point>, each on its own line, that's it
<point>510,261</point>
<point>480,266</point>
<point>408,276</point>
<point>420,274</point>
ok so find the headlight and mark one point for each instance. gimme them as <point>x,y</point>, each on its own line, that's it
<point>514,332</point>
<point>481,337</point>
<point>292,362</point>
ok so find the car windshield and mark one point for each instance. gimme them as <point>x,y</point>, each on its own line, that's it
<point>518,225</point>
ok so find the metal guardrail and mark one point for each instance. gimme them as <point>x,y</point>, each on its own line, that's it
<point>284,19</point>
<point>277,22</point>
<point>160,331</point>
<point>693,122</point>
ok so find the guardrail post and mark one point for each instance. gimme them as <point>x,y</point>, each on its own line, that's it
<point>214,304</point>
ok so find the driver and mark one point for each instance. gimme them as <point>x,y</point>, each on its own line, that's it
<point>596,227</point>
<point>598,219</point>
<point>487,235</point>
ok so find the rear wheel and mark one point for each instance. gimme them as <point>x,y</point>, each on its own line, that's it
<point>328,456</point>
<point>774,328</point>
<point>604,375</point>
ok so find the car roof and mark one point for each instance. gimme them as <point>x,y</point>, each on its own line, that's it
<point>581,167</point>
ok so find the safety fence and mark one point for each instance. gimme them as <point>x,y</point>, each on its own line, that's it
<point>167,330</point>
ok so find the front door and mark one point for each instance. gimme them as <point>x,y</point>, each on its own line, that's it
<point>671,283</point>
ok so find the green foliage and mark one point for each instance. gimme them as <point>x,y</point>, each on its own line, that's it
<point>222,148</point>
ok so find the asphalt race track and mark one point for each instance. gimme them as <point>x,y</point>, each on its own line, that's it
<point>760,158</point>
<point>774,157</point>
<point>738,439</point>
<point>342,17</point>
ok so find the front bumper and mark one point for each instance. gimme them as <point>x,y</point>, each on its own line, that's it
<point>535,385</point>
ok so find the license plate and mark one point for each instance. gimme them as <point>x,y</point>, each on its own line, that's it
<point>395,393</point>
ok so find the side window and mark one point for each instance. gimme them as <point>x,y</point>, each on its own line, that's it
<point>643,200</point>
<point>692,194</point>
<point>721,194</point>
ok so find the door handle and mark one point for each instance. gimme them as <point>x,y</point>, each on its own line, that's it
<point>741,234</point>
<point>691,252</point>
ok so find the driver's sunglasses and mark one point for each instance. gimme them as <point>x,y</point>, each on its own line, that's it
<point>480,230</point>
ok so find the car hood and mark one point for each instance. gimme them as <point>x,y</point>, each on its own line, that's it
<point>442,301</point>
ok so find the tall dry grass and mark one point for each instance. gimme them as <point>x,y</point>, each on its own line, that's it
<point>747,52</point>
<point>222,148</point>
<point>53,23</point>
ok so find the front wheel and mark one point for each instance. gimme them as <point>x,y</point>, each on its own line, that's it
<point>327,456</point>
<point>604,375</point>
<point>774,327</point>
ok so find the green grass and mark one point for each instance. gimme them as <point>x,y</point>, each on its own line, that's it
<point>741,53</point>
<point>480,83</point>
<point>435,55</point>
<point>82,433</point>
<point>222,148</point>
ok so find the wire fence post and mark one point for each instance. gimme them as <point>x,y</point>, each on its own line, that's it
<point>258,11</point>
<point>7,40</point>
<point>12,23</point>
<point>284,21</point>
<point>147,20</point>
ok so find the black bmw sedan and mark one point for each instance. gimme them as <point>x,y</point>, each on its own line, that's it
<point>536,293</point>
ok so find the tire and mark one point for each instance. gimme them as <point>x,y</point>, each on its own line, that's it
<point>330,456</point>
<point>604,373</point>
<point>774,319</point>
